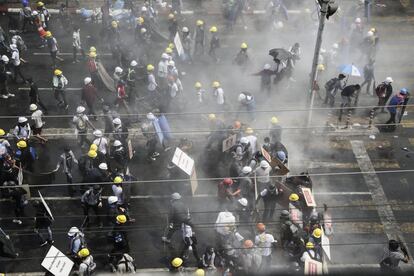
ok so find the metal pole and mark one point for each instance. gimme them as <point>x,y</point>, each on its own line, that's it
<point>314,75</point>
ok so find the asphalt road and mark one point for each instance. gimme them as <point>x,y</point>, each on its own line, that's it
<point>359,234</point>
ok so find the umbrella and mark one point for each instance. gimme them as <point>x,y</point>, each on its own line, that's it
<point>349,69</point>
<point>6,246</point>
<point>280,54</point>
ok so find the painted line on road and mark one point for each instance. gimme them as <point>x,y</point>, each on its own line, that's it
<point>385,212</point>
<point>67,54</point>
<point>378,164</point>
<point>411,140</point>
<point>49,89</point>
<point>341,193</point>
<point>407,123</point>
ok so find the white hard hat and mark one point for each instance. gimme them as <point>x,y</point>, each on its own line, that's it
<point>165,56</point>
<point>388,79</point>
<point>87,80</point>
<point>242,97</point>
<point>323,50</point>
<point>34,13</point>
<point>13,46</point>
<point>176,196</point>
<point>118,70</point>
<point>185,30</point>
<point>143,30</point>
<point>22,120</point>
<point>358,20</point>
<point>150,116</point>
<point>246,169</point>
<point>97,133</point>
<point>112,199</point>
<point>116,121</point>
<point>244,140</point>
<point>73,231</point>
<point>80,109</point>
<point>264,164</point>
<point>103,166</point>
<point>117,143</point>
<point>33,107</point>
<point>267,66</point>
<point>134,63</point>
<point>243,201</point>
<point>370,33</point>
<point>171,63</point>
<point>335,46</point>
<point>279,25</point>
<point>4,58</point>
<point>144,9</point>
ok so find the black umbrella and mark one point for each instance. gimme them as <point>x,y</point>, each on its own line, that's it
<point>6,246</point>
<point>280,54</point>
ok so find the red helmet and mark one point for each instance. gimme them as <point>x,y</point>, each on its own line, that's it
<point>228,181</point>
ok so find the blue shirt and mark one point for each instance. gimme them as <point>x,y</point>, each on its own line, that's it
<point>395,100</point>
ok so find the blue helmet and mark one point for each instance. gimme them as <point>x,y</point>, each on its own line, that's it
<point>281,155</point>
<point>403,91</point>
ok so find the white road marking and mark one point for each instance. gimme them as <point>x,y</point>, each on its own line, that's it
<point>50,89</point>
<point>341,193</point>
<point>68,54</point>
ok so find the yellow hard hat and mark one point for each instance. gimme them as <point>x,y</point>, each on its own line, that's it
<point>197,85</point>
<point>243,45</point>
<point>57,72</point>
<point>274,120</point>
<point>211,116</point>
<point>40,4</point>
<point>216,84</point>
<point>213,29</point>
<point>168,50</point>
<point>84,252</point>
<point>310,245</point>
<point>199,22</point>
<point>121,219</point>
<point>150,67</point>
<point>118,180</point>
<point>171,46</point>
<point>22,144</point>
<point>92,54</point>
<point>48,34</point>
<point>373,30</point>
<point>171,16</point>
<point>321,67</point>
<point>92,49</point>
<point>140,20</point>
<point>293,197</point>
<point>93,147</point>
<point>114,24</point>
<point>177,262</point>
<point>317,233</point>
<point>249,130</point>
<point>2,132</point>
<point>200,272</point>
<point>92,153</point>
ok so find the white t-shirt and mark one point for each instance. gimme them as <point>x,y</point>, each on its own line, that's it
<point>16,58</point>
<point>224,222</point>
<point>219,94</point>
<point>264,243</point>
<point>37,118</point>
<point>253,143</point>
<point>102,144</point>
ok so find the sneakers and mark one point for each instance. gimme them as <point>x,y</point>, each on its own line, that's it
<point>10,95</point>
<point>165,239</point>
<point>17,221</point>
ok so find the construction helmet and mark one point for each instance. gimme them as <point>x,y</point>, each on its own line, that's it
<point>92,153</point>
<point>373,30</point>
<point>213,29</point>
<point>35,13</point>
<point>404,91</point>
<point>212,116</point>
<point>73,231</point>
<point>317,233</point>
<point>243,45</point>
<point>216,84</point>
<point>177,262</point>
<point>310,245</point>
<point>48,34</point>
<point>248,244</point>
<point>92,49</point>
<point>185,30</point>
<point>320,67</point>
<point>150,67</point>
<point>249,130</point>
<point>114,24</point>
<point>274,120</point>
<point>57,72</point>
<point>40,4</point>
<point>2,132</point>
<point>92,54</point>
<point>133,63</point>
<point>388,80</point>
<point>200,272</point>
<point>168,50</point>
<point>175,196</point>
<point>103,166</point>
<point>121,219</point>
<point>118,70</point>
<point>140,20</point>
<point>22,120</point>
<point>80,109</point>
<point>267,66</point>
<point>260,227</point>
<point>171,45</point>
<point>228,181</point>
<point>33,107</point>
<point>112,199</point>
<point>171,16</point>
<point>98,133</point>
<point>84,252</point>
<point>143,31</point>
<point>293,197</point>
<point>197,85</point>
<point>87,80</point>
<point>199,23</point>
<point>22,144</point>
<point>117,121</point>
<point>117,143</point>
<point>118,180</point>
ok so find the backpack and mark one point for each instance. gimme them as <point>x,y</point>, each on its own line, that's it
<point>329,85</point>
<point>381,90</point>
<point>126,264</point>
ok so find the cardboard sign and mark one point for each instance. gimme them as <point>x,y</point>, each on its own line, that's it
<point>283,170</point>
<point>266,155</point>
<point>193,182</point>
<point>228,143</point>
<point>307,194</point>
<point>46,206</point>
<point>178,45</point>
<point>57,263</point>
<point>326,246</point>
<point>313,267</point>
<point>130,150</point>
<point>183,161</point>
<point>296,215</point>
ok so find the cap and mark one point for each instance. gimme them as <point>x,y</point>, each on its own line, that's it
<point>97,133</point>
<point>197,85</point>
<point>87,80</point>
<point>264,164</point>
<point>92,154</point>
<point>185,30</point>
<point>57,72</point>
<point>150,67</point>
<point>73,231</point>
<point>121,219</point>
<point>228,181</point>
<point>22,120</point>
<point>216,84</point>
<point>117,143</point>
<point>84,252</point>
<point>260,227</point>
<point>33,107</point>
<point>274,120</point>
<point>243,45</point>
<point>309,245</point>
<point>93,147</point>
<point>177,262</point>
<point>248,244</point>
<point>243,201</point>
<point>116,121</point>
<point>213,29</point>
<point>246,169</point>
<point>133,63</point>
<point>21,144</point>
<point>118,180</point>
<point>80,109</point>
<point>103,166</point>
<point>199,23</point>
<point>175,196</point>
<point>293,197</point>
<point>112,199</point>
<point>317,233</point>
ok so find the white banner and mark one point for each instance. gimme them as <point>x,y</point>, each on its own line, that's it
<point>178,44</point>
<point>57,263</point>
<point>183,161</point>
